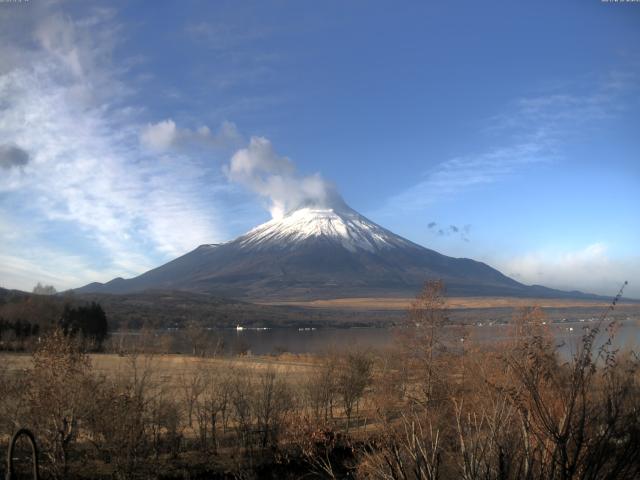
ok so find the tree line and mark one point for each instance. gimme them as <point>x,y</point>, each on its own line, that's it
<point>24,319</point>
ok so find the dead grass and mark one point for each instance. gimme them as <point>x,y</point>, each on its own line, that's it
<point>364,303</point>
<point>171,367</point>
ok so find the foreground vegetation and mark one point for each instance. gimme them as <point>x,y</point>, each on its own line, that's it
<point>436,406</point>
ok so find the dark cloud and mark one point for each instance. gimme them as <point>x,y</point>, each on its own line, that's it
<point>463,232</point>
<point>466,230</point>
<point>13,156</point>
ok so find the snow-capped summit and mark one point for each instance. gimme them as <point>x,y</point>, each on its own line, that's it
<point>325,250</point>
<point>337,224</point>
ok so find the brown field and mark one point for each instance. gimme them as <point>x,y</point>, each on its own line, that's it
<point>363,303</point>
<point>169,367</point>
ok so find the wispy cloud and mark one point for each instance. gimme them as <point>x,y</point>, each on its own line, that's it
<point>225,36</point>
<point>67,105</point>
<point>461,173</point>
<point>554,117</point>
<point>241,45</point>
<point>529,132</point>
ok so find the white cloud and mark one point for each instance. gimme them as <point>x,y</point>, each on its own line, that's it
<point>530,132</point>
<point>163,135</point>
<point>453,176</point>
<point>225,36</point>
<point>590,269</point>
<point>57,36</point>
<point>159,136</point>
<point>57,268</point>
<point>261,169</point>
<point>65,104</point>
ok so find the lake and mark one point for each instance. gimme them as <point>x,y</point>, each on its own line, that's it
<point>320,340</point>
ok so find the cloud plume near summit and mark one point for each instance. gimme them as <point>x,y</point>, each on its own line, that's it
<point>257,167</point>
<point>274,177</point>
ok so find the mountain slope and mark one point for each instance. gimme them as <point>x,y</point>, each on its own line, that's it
<point>320,253</point>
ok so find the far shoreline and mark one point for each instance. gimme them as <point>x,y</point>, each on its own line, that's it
<point>403,303</point>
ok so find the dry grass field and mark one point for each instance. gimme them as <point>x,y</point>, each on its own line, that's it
<point>363,303</point>
<point>169,368</point>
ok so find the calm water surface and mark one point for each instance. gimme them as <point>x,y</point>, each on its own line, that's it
<point>320,340</point>
<point>567,336</point>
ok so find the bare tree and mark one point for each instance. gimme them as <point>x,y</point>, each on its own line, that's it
<point>55,397</point>
<point>240,391</point>
<point>163,416</point>
<point>121,418</point>
<point>541,418</point>
<point>41,289</point>
<point>13,385</point>
<point>487,441</point>
<point>198,338</point>
<point>410,451</point>
<point>354,376</point>
<point>273,401</point>
<point>390,385</point>
<point>321,389</point>
<point>211,402</point>
<point>192,386</point>
<point>574,416</point>
<point>422,339</point>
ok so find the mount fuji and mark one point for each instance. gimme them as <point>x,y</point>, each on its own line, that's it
<point>315,252</point>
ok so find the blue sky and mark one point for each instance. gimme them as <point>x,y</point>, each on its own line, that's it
<point>503,131</point>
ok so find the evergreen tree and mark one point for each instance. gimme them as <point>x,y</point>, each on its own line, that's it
<point>89,320</point>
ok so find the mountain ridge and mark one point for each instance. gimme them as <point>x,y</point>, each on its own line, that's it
<point>326,251</point>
